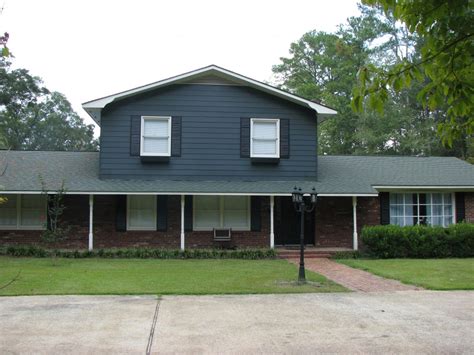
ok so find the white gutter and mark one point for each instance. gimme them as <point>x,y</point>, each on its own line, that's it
<point>424,187</point>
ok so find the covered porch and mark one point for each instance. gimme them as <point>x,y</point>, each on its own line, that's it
<point>105,220</point>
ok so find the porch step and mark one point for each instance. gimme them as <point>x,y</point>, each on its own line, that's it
<point>309,254</point>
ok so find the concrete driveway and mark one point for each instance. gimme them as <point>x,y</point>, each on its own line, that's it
<point>400,322</point>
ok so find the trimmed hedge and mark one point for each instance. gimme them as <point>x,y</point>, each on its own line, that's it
<point>349,254</point>
<point>139,253</point>
<point>391,241</point>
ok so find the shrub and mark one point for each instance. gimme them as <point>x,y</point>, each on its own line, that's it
<point>349,254</point>
<point>392,241</point>
<point>140,253</point>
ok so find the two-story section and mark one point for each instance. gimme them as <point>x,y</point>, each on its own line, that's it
<point>215,127</point>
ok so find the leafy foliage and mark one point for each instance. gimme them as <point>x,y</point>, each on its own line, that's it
<point>5,52</point>
<point>420,241</point>
<point>324,66</point>
<point>33,118</point>
<point>444,64</point>
<point>139,253</point>
<point>55,231</point>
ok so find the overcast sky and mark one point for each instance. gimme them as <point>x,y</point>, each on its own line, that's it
<point>91,48</point>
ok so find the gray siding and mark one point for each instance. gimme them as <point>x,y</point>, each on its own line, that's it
<point>210,143</point>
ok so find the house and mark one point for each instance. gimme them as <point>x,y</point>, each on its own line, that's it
<point>211,149</point>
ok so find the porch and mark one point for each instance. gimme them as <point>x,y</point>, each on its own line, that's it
<point>186,221</point>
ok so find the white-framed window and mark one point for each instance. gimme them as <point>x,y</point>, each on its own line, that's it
<point>265,138</point>
<point>141,212</point>
<point>23,212</point>
<point>221,212</point>
<point>436,209</point>
<point>155,136</point>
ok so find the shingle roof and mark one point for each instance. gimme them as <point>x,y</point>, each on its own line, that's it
<point>24,170</point>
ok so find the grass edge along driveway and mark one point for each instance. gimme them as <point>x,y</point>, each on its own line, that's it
<point>154,276</point>
<point>433,274</point>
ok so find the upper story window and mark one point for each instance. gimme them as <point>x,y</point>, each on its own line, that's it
<point>23,212</point>
<point>155,136</point>
<point>265,138</point>
<point>434,209</point>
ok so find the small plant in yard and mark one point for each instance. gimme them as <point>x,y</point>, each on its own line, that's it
<point>55,232</point>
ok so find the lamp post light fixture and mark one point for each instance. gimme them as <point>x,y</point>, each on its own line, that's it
<point>303,203</point>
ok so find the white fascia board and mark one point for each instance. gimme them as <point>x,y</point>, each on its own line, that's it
<point>424,187</point>
<point>349,195</point>
<point>94,105</point>
<point>147,193</point>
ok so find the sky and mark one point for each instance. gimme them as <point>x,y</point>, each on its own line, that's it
<point>92,48</point>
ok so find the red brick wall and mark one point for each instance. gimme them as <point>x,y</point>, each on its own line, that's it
<point>334,223</point>
<point>469,205</point>
<point>76,216</point>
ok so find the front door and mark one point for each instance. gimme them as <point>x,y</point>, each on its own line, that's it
<point>287,231</point>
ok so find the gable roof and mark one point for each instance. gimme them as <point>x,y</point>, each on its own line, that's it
<point>20,171</point>
<point>94,107</point>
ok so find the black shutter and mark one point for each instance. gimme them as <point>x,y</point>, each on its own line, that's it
<point>244,137</point>
<point>135,130</point>
<point>384,198</point>
<point>460,207</point>
<point>188,213</point>
<point>176,136</point>
<point>255,213</point>
<point>284,138</point>
<point>121,213</point>
<point>162,213</point>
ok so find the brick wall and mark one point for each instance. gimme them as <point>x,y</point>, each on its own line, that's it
<point>76,216</point>
<point>334,223</point>
<point>469,205</point>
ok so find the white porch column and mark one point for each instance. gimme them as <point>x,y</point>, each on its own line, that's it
<point>91,218</point>
<point>272,218</point>
<point>182,222</point>
<point>354,217</point>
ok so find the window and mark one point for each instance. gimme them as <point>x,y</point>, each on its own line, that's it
<point>221,212</point>
<point>433,209</point>
<point>155,136</point>
<point>23,212</point>
<point>265,137</point>
<point>141,212</point>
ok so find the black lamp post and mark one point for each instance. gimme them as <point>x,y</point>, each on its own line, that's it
<point>303,204</point>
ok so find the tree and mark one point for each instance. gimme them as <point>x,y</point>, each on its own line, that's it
<point>445,63</point>
<point>3,42</point>
<point>33,118</point>
<point>317,69</point>
<point>324,66</point>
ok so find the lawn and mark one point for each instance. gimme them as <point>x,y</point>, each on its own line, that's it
<point>434,274</point>
<point>152,276</point>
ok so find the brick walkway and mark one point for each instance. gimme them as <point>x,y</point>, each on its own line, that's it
<point>353,279</point>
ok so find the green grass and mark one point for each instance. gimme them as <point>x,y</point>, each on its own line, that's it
<point>152,276</point>
<point>433,274</point>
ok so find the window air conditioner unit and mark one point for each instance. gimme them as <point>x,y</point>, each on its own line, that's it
<point>222,234</point>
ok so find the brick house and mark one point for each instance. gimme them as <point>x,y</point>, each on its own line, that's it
<point>212,150</point>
